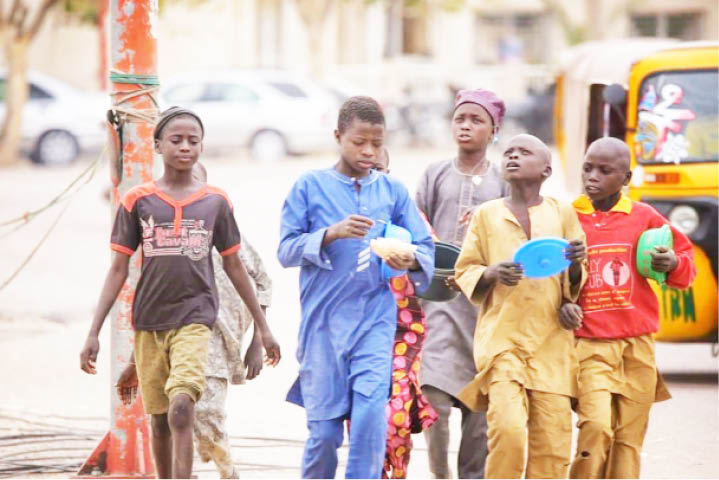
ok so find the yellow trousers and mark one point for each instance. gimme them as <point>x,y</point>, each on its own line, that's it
<point>520,420</point>
<point>618,382</point>
<point>611,434</point>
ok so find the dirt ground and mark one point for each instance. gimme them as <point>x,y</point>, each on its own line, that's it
<point>52,414</point>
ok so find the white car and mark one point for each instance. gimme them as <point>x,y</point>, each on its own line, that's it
<point>274,113</point>
<point>59,121</point>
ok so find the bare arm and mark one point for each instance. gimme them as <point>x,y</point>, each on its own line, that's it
<point>114,281</point>
<point>237,274</point>
<point>576,252</point>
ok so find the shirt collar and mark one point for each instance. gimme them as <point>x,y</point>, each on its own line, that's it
<point>583,205</point>
<point>373,175</point>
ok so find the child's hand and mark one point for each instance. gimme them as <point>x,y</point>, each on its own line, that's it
<point>253,358</point>
<point>88,355</point>
<point>466,216</point>
<point>272,349</point>
<point>663,259</point>
<point>354,226</point>
<point>576,251</point>
<point>570,316</point>
<point>401,261</point>
<point>127,384</point>
<point>507,273</point>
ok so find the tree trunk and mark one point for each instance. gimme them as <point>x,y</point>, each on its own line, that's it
<point>313,14</point>
<point>16,94</point>
<point>316,50</point>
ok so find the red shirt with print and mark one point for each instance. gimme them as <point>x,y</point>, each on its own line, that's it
<point>617,301</point>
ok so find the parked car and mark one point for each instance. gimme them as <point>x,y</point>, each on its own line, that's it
<point>59,121</point>
<point>273,113</point>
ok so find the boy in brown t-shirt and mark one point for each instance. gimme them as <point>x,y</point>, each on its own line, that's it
<point>177,220</point>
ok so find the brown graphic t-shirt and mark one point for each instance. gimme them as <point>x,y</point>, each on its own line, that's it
<point>177,283</point>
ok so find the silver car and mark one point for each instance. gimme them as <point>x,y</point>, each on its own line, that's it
<point>274,113</point>
<point>59,121</point>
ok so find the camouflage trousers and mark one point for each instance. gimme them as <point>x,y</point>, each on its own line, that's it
<point>211,438</point>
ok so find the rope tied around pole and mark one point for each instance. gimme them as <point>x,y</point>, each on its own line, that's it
<point>120,113</point>
<point>133,78</point>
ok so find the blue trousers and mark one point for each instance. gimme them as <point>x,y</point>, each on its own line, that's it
<point>368,437</point>
<point>370,372</point>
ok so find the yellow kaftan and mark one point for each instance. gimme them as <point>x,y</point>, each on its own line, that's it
<point>520,321</point>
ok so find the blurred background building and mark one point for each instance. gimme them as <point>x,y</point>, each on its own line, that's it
<point>372,43</point>
<point>412,55</point>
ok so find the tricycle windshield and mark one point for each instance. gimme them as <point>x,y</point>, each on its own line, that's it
<point>678,118</point>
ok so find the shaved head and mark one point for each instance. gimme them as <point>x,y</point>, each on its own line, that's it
<point>534,144</point>
<point>611,148</point>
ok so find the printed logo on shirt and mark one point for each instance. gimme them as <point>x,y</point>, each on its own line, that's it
<point>609,285</point>
<point>160,239</point>
<point>363,259</point>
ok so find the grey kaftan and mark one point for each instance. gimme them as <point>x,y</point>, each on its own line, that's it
<point>444,194</point>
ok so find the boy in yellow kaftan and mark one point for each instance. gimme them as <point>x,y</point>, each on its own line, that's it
<point>526,365</point>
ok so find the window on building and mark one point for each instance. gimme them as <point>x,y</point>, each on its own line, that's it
<point>681,25</point>
<point>511,38</point>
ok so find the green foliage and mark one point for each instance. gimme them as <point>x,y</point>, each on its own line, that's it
<point>83,10</point>
<point>89,10</point>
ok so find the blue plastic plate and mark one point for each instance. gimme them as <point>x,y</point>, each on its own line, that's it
<point>543,257</point>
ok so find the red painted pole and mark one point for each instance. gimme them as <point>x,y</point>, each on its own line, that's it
<point>102,70</point>
<point>125,450</point>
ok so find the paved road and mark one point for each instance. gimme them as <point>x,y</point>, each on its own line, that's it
<point>45,312</point>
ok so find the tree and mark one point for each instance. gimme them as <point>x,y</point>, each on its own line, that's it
<point>18,27</point>
<point>314,14</point>
<point>596,17</point>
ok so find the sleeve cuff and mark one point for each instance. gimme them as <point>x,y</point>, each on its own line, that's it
<point>264,298</point>
<point>231,250</point>
<point>423,277</point>
<point>681,277</point>
<point>313,250</point>
<point>122,249</point>
<point>468,282</point>
<point>567,285</point>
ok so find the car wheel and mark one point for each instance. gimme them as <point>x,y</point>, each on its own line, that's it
<point>56,147</point>
<point>268,146</point>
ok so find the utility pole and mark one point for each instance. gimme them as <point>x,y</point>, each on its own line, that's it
<point>125,449</point>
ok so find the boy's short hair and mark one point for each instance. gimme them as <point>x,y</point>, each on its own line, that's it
<point>363,108</point>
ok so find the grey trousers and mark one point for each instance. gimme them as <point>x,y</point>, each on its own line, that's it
<point>473,445</point>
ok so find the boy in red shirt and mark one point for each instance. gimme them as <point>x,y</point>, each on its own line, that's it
<point>616,315</point>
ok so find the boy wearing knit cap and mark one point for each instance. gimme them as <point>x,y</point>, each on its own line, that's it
<point>175,221</point>
<point>448,193</point>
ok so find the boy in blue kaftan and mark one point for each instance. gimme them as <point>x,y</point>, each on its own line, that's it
<point>348,312</point>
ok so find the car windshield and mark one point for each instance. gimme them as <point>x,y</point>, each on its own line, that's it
<point>289,89</point>
<point>678,118</point>
<point>191,92</point>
